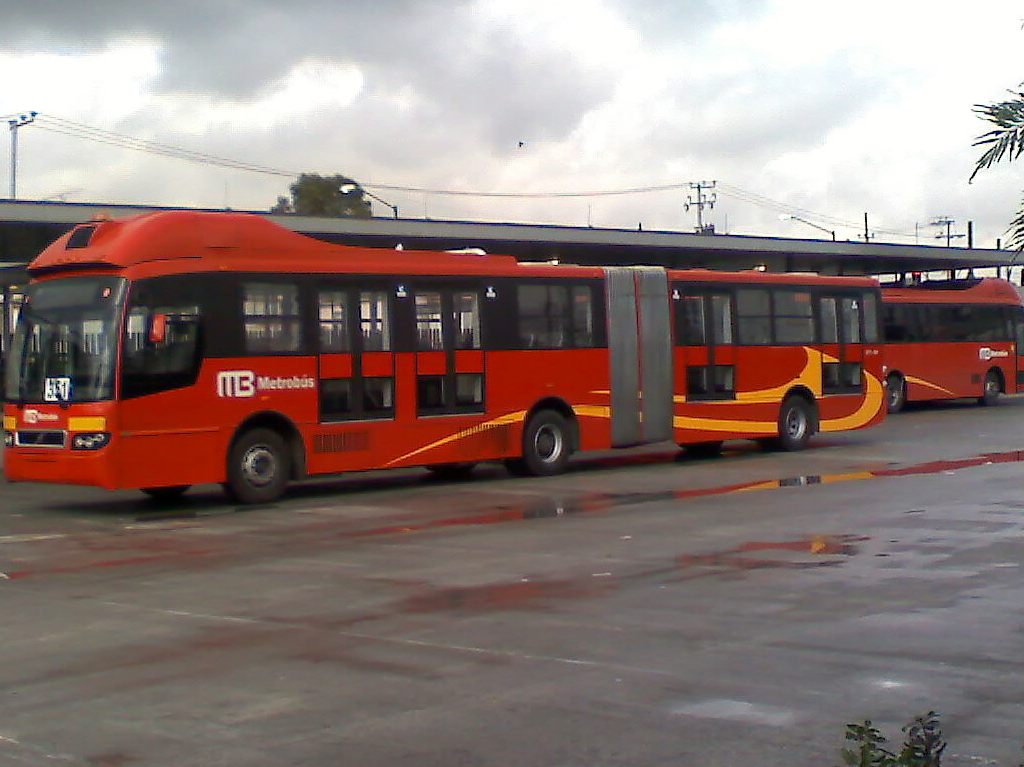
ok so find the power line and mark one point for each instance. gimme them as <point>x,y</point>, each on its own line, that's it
<point>82,131</point>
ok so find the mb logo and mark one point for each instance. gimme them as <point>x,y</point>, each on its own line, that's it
<point>236,383</point>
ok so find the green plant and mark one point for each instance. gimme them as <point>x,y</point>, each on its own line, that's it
<point>922,744</point>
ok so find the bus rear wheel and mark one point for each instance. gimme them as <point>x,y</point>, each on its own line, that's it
<point>895,393</point>
<point>258,467</point>
<point>991,391</point>
<point>165,494</point>
<point>546,444</point>
<point>795,423</point>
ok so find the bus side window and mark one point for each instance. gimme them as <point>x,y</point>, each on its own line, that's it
<point>721,318</point>
<point>429,336</point>
<point>690,322</point>
<point>333,315</point>
<point>271,318</point>
<point>870,304</point>
<point>374,322</point>
<point>850,309</point>
<point>754,317</point>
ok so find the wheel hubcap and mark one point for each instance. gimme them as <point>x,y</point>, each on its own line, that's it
<point>796,424</point>
<point>548,444</point>
<point>259,465</point>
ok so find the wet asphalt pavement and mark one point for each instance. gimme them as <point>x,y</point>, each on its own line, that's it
<point>642,609</point>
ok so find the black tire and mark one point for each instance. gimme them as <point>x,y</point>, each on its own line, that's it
<point>166,494</point>
<point>796,423</point>
<point>991,390</point>
<point>703,449</point>
<point>895,393</point>
<point>546,444</point>
<point>452,470</point>
<point>259,466</point>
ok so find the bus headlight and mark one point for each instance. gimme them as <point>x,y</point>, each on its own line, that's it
<point>8,439</point>
<point>90,440</point>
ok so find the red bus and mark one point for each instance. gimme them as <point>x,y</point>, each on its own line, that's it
<point>947,339</point>
<point>183,348</point>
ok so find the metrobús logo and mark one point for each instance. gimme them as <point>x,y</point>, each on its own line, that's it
<point>985,353</point>
<point>33,416</point>
<point>246,383</point>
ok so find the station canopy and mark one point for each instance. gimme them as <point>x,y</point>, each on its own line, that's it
<point>26,227</point>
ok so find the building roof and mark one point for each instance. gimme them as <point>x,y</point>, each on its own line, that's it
<point>27,227</point>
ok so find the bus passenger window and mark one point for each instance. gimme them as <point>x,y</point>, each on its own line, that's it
<point>543,316</point>
<point>373,321</point>
<point>691,310</point>
<point>697,381</point>
<point>335,399</point>
<point>870,303</point>
<point>829,321</point>
<point>793,317</point>
<point>850,308</point>
<point>469,390</point>
<point>272,322</point>
<point>334,322</point>
<point>582,317</point>
<point>429,393</point>
<point>721,318</point>
<point>428,322</point>
<point>378,396</point>
<point>466,307</point>
<point>753,314</point>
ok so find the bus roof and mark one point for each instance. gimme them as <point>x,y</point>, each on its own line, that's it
<point>198,241</point>
<point>985,290</point>
<point>777,278</point>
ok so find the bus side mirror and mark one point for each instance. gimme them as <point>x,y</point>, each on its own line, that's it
<point>158,329</point>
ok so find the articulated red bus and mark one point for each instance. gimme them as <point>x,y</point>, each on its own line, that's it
<point>181,348</point>
<point>952,338</point>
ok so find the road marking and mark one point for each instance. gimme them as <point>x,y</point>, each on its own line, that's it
<point>30,538</point>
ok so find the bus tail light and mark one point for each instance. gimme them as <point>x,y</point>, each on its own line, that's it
<point>8,438</point>
<point>90,440</point>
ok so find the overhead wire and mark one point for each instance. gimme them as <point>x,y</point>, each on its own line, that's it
<point>82,131</point>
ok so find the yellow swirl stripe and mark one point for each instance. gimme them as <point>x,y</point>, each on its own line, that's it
<point>494,423</point>
<point>928,385</point>
<point>874,399</point>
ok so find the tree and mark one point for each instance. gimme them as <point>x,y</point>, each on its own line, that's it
<point>1005,140</point>
<point>316,195</point>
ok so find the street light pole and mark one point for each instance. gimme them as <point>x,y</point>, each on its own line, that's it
<point>349,188</point>
<point>15,123</point>
<point>790,216</point>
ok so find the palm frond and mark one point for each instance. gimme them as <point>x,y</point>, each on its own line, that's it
<point>1016,231</point>
<point>1007,138</point>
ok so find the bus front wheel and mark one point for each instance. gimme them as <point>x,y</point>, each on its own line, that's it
<point>546,444</point>
<point>895,393</point>
<point>795,423</point>
<point>258,467</point>
<point>991,391</point>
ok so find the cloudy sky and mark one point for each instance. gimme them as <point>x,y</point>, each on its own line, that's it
<point>819,108</point>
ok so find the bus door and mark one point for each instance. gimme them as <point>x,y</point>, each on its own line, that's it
<point>449,357</point>
<point>841,322</point>
<point>356,363</point>
<point>705,350</point>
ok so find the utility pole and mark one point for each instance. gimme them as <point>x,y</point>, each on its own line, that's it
<point>699,202</point>
<point>14,123</point>
<point>867,234</point>
<point>947,222</point>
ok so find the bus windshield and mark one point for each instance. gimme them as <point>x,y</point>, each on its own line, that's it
<point>65,344</point>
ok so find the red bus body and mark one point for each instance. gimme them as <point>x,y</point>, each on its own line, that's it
<point>389,364</point>
<point>948,340</point>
